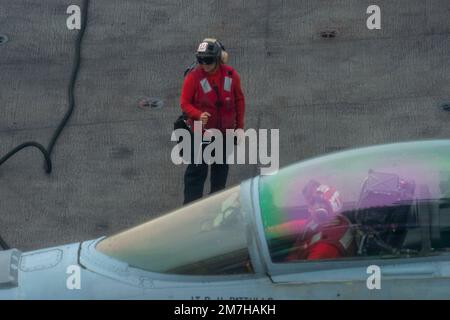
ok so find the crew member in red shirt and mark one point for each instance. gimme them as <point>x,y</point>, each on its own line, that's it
<point>211,94</point>
<point>326,233</point>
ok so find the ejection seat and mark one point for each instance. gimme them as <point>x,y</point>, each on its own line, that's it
<point>384,214</point>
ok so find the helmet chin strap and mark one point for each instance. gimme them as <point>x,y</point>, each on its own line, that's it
<point>216,66</point>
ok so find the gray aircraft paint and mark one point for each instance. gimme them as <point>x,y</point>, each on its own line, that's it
<point>42,275</point>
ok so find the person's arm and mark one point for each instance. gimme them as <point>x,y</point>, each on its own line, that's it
<point>323,250</point>
<point>239,100</point>
<point>290,228</point>
<point>187,96</point>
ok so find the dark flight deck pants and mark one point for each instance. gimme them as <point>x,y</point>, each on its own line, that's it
<point>195,177</point>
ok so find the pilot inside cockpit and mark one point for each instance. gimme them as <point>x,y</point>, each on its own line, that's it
<point>325,233</point>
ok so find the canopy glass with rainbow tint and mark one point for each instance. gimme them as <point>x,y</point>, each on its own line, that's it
<point>396,198</point>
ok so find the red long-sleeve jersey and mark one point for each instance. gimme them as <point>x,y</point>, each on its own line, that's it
<point>192,105</point>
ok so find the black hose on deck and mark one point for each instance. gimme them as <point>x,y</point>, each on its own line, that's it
<point>71,101</point>
<point>73,78</point>
<point>48,161</point>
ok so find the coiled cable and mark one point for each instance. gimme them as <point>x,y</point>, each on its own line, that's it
<point>71,102</point>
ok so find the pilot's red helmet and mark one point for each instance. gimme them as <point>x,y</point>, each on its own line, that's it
<point>322,199</point>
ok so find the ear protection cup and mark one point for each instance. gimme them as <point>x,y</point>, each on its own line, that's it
<point>222,54</point>
<point>223,57</point>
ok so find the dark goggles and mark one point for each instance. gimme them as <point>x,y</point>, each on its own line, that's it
<point>206,60</point>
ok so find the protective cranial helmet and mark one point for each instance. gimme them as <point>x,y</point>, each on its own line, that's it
<point>211,51</point>
<point>324,199</point>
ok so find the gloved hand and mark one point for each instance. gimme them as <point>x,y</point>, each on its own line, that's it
<point>204,117</point>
